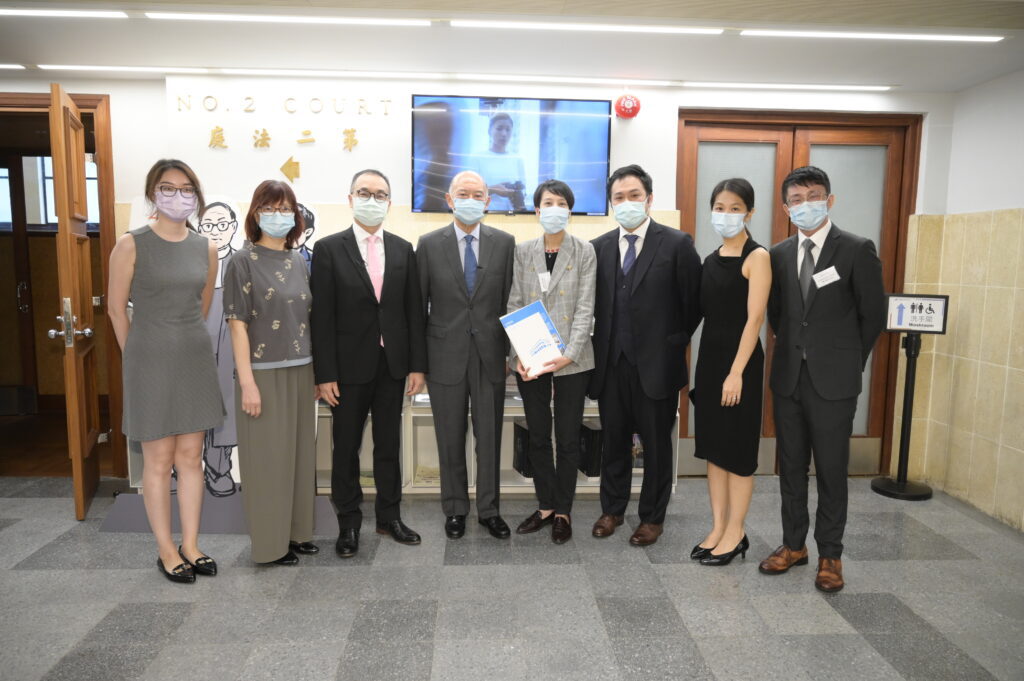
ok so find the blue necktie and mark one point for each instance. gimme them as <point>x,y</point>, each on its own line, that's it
<point>630,259</point>
<point>469,265</point>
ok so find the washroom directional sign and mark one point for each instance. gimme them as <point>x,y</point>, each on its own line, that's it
<point>910,313</point>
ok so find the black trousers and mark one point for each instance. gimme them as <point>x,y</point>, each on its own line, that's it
<point>807,424</point>
<point>626,409</point>
<point>382,396</point>
<point>554,478</point>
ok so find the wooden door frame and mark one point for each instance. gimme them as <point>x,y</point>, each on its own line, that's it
<point>99,107</point>
<point>912,127</point>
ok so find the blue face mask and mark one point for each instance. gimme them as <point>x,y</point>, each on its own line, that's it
<point>728,224</point>
<point>276,224</point>
<point>630,214</point>
<point>554,218</point>
<point>809,214</point>
<point>469,211</point>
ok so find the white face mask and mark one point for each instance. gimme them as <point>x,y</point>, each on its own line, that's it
<point>630,214</point>
<point>727,224</point>
<point>554,218</point>
<point>809,214</point>
<point>369,211</point>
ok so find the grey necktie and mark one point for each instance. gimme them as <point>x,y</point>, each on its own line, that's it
<point>807,269</point>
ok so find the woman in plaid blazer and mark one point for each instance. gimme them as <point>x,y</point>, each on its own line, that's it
<point>560,270</point>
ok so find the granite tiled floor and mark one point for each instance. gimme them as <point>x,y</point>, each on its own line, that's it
<point>935,591</point>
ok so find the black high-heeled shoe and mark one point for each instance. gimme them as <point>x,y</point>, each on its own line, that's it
<point>699,552</point>
<point>204,565</point>
<point>181,574</point>
<point>721,559</point>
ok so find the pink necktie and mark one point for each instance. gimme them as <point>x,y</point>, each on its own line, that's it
<point>373,265</point>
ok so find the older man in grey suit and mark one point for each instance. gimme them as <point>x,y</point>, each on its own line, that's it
<point>466,274</point>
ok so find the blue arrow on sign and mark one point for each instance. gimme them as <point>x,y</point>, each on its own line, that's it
<point>899,316</point>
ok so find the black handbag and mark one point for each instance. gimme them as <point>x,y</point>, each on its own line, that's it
<point>591,446</point>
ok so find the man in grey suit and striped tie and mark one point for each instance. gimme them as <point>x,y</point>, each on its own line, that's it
<point>466,275</point>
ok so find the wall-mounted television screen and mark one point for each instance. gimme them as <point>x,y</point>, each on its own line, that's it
<point>515,144</point>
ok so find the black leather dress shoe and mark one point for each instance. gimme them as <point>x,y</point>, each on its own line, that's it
<point>720,559</point>
<point>561,530</point>
<point>348,543</point>
<point>534,523</point>
<point>455,526</point>
<point>497,527</point>
<point>305,547</point>
<point>204,565</point>
<point>399,532</point>
<point>287,559</point>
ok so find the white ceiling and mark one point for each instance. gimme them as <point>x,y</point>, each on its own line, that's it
<point>912,66</point>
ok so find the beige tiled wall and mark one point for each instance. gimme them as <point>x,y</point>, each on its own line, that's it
<point>968,427</point>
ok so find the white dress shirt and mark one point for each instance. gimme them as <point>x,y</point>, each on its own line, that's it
<point>640,231</point>
<point>819,242</point>
<point>363,242</point>
<point>461,236</point>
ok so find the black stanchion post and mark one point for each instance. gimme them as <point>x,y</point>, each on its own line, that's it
<point>901,488</point>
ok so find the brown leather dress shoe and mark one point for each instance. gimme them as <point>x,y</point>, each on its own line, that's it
<point>646,534</point>
<point>782,559</point>
<point>534,523</point>
<point>830,575</point>
<point>606,524</point>
<point>561,530</point>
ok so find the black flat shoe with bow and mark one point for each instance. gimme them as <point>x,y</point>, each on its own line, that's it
<point>181,574</point>
<point>204,565</point>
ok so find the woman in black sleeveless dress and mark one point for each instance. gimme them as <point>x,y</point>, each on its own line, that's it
<point>730,369</point>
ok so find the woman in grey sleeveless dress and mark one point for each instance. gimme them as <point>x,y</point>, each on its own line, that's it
<point>171,393</point>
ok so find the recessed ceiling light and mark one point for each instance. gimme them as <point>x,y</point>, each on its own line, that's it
<point>331,74</point>
<point>128,69</point>
<point>562,79</point>
<point>853,35</point>
<point>787,86</point>
<point>65,13</point>
<point>287,19</point>
<point>608,28</point>
<point>12,67</point>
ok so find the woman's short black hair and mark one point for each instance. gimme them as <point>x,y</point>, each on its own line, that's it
<point>556,187</point>
<point>739,187</point>
<point>805,177</point>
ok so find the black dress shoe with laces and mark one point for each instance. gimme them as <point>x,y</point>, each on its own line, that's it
<point>399,532</point>
<point>348,543</point>
<point>497,527</point>
<point>455,526</point>
<point>204,565</point>
<point>287,559</point>
<point>305,547</point>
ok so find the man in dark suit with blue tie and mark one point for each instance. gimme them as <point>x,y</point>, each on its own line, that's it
<point>647,306</point>
<point>826,307</point>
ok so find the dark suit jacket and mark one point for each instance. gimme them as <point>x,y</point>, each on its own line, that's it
<point>454,317</point>
<point>664,304</point>
<point>840,323</point>
<point>347,320</point>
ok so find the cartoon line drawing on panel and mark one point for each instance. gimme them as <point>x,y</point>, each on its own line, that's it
<point>219,223</point>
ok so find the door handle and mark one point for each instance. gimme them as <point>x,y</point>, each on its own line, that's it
<point>22,288</point>
<point>87,332</point>
<point>54,333</point>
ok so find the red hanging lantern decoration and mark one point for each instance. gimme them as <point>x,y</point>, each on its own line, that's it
<point>627,106</point>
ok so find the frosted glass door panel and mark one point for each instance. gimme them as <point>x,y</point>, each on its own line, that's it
<point>717,161</point>
<point>857,174</point>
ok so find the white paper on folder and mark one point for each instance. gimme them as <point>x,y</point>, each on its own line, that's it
<point>529,330</point>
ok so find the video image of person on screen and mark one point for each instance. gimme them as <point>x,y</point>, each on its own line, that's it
<point>432,156</point>
<point>503,170</point>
